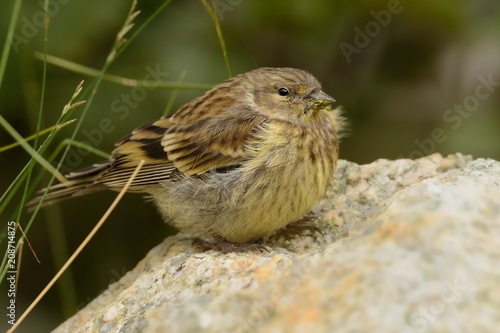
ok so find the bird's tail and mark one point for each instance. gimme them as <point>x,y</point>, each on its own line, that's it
<point>78,183</point>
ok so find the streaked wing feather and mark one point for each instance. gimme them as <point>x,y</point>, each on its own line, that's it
<point>212,143</point>
<point>150,174</point>
<point>184,144</point>
<point>94,169</point>
<point>143,143</point>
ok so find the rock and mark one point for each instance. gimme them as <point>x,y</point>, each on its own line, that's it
<point>407,246</point>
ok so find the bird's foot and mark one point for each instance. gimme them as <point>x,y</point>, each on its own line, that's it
<point>298,227</point>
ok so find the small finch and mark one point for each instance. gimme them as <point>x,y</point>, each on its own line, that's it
<point>232,166</point>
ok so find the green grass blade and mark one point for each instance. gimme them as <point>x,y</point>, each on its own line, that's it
<point>8,41</point>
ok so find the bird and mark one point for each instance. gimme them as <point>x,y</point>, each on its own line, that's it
<point>242,161</point>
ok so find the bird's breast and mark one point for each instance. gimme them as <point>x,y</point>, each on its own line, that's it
<point>289,173</point>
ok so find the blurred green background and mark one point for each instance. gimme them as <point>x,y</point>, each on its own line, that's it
<point>414,78</point>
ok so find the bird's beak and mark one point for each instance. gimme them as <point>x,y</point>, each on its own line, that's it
<point>321,99</point>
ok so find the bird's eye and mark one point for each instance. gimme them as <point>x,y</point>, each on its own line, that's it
<point>283,91</point>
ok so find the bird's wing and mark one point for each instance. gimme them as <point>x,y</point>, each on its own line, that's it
<point>215,143</point>
<point>173,145</point>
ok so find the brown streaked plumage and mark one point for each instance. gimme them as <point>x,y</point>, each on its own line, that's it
<point>234,165</point>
